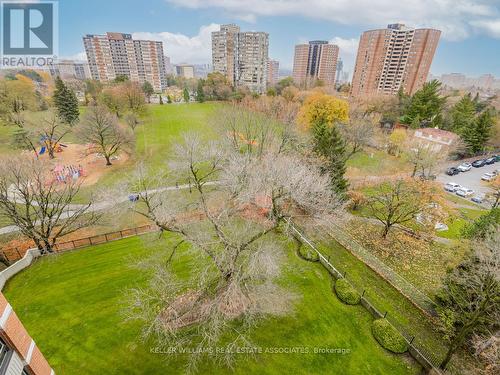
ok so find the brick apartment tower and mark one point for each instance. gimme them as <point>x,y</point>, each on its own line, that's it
<point>19,355</point>
<point>393,58</point>
<point>241,56</point>
<point>116,54</point>
<point>315,61</point>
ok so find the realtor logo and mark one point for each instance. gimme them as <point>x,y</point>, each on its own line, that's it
<point>29,33</point>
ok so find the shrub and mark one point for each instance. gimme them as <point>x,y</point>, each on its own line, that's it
<point>346,292</point>
<point>306,253</point>
<point>388,336</point>
<point>482,225</point>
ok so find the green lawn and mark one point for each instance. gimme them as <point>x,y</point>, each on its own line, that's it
<point>384,296</point>
<point>161,129</point>
<point>71,304</point>
<point>372,162</point>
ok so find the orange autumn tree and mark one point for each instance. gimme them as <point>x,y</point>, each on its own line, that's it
<point>322,108</point>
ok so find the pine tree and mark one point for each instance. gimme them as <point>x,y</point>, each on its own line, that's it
<point>161,99</point>
<point>426,104</point>
<point>329,144</point>
<point>185,93</point>
<point>477,132</point>
<point>65,102</point>
<point>200,94</point>
<point>462,114</point>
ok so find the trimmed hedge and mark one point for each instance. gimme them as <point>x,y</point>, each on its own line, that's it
<point>346,292</point>
<point>388,336</point>
<point>306,253</point>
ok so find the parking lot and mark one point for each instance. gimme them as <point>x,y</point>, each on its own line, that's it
<point>470,179</point>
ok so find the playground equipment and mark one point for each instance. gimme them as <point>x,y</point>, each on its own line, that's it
<point>58,147</point>
<point>65,173</point>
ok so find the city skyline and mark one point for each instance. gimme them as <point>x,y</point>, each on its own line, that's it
<point>186,31</point>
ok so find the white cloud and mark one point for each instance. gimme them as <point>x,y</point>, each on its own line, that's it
<point>80,56</point>
<point>182,48</point>
<point>458,19</point>
<point>348,48</point>
<point>491,27</point>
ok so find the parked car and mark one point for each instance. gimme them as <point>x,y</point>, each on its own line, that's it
<point>452,187</point>
<point>478,198</point>
<point>490,161</point>
<point>464,167</point>
<point>133,197</point>
<point>497,157</point>
<point>488,176</point>
<point>464,192</point>
<point>479,163</point>
<point>452,171</point>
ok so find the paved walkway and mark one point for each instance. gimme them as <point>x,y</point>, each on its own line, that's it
<point>104,205</point>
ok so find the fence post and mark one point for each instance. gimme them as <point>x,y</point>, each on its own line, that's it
<point>363,294</point>
<point>345,273</point>
<point>73,243</point>
<point>18,253</point>
<point>106,237</point>
<point>412,338</point>
<point>385,315</point>
<point>135,231</point>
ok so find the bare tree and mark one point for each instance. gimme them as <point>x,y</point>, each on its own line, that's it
<point>401,201</point>
<point>101,129</point>
<point>52,131</point>
<point>357,133</point>
<point>38,205</point>
<point>233,225</point>
<point>424,157</point>
<point>470,301</point>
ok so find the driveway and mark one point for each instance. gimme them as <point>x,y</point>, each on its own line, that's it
<point>471,179</point>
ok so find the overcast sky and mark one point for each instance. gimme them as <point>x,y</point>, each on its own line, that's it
<point>470,41</point>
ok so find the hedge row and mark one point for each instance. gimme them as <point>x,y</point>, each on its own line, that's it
<point>346,292</point>
<point>388,336</point>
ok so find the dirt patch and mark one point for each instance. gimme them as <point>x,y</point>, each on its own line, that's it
<point>75,158</point>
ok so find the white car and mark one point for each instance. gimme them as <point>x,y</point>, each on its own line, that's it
<point>464,167</point>
<point>452,187</point>
<point>488,176</point>
<point>440,227</point>
<point>464,192</point>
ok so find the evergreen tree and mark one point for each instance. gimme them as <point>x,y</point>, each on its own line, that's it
<point>169,99</point>
<point>329,144</point>
<point>200,94</point>
<point>426,104</point>
<point>477,132</point>
<point>185,94</point>
<point>161,99</point>
<point>148,90</point>
<point>462,114</point>
<point>66,102</point>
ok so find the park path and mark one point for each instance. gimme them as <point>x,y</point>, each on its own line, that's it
<point>100,206</point>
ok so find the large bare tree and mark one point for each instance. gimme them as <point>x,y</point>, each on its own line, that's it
<point>233,227</point>
<point>38,205</point>
<point>404,200</point>
<point>105,135</point>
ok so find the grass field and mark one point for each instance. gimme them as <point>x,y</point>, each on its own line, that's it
<point>375,163</point>
<point>71,304</point>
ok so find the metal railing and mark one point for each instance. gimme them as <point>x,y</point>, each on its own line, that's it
<point>417,349</point>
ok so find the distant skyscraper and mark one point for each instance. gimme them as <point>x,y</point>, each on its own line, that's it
<point>393,58</point>
<point>339,74</point>
<point>70,69</point>
<point>241,56</point>
<point>315,61</point>
<point>273,71</point>
<point>185,70</point>
<point>116,54</point>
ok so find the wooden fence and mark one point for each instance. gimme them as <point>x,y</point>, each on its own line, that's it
<point>15,254</point>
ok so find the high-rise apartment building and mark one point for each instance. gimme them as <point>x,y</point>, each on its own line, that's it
<point>70,69</point>
<point>273,71</point>
<point>116,54</point>
<point>241,56</point>
<point>393,58</point>
<point>185,70</point>
<point>315,61</point>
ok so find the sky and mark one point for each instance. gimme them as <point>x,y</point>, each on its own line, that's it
<point>470,42</point>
